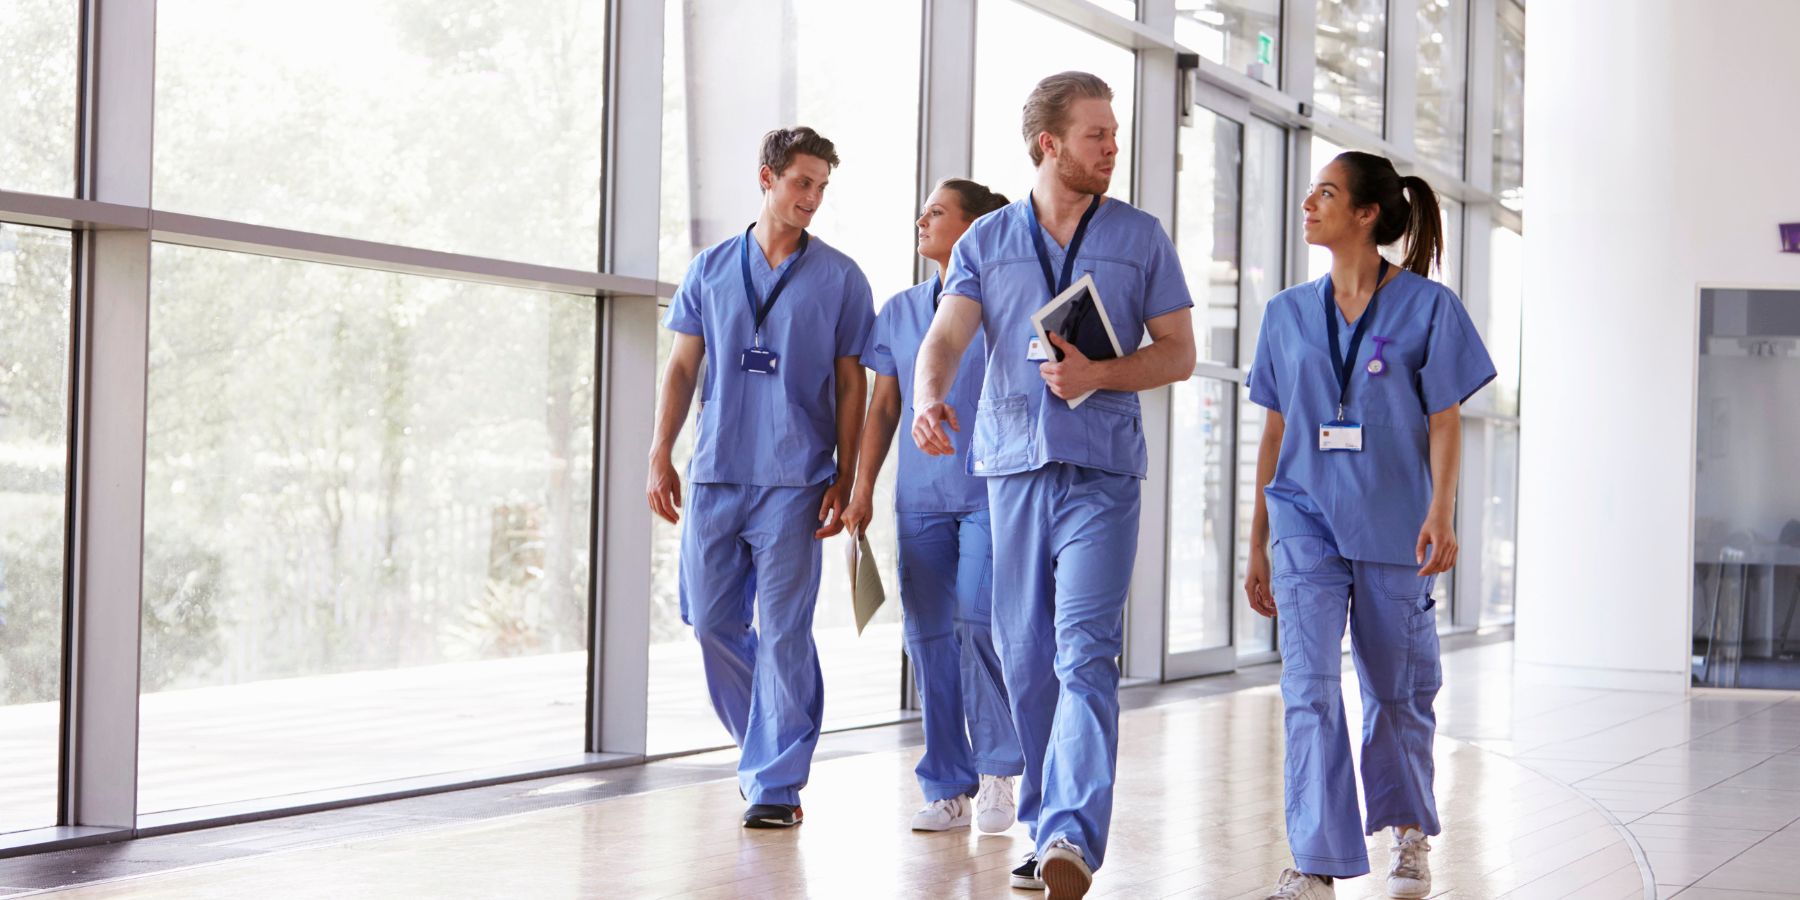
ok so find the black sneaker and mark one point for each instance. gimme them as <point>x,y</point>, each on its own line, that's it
<point>772,815</point>
<point>1025,877</point>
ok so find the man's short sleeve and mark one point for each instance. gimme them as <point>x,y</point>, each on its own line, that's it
<point>684,310</point>
<point>964,277</point>
<point>858,314</point>
<point>1165,287</point>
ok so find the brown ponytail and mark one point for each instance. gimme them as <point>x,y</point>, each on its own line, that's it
<point>976,198</point>
<point>1374,182</point>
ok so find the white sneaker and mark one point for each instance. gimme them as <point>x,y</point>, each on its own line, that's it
<point>943,815</point>
<point>1064,870</point>
<point>1301,886</point>
<point>1409,872</point>
<point>995,810</point>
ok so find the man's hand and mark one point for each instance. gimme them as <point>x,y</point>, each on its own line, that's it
<point>1256,583</point>
<point>929,434</point>
<point>1074,376</point>
<point>831,510</point>
<point>664,489</point>
<point>859,512</point>
<point>1440,535</point>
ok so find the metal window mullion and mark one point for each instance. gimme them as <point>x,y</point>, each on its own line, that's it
<point>1156,122</point>
<point>946,97</point>
<point>1478,124</point>
<point>104,581</point>
<point>625,366</point>
<point>1402,56</point>
<point>1299,39</point>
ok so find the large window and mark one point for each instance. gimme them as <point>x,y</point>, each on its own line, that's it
<point>864,96</point>
<point>1509,107</point>
<point>38,40</point>
<point>35,273</point>
<point>1242,35</point>
<point>450,125</point>
<point>1350,76</point>
<point>366,527</point>
<point>1015,47</point>
<point>1443,73</point>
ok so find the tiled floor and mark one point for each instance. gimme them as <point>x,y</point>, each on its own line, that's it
<point>1705,790</point>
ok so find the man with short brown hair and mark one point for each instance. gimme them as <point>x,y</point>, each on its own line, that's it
<point>780,319</point>
<point>1060,439</point>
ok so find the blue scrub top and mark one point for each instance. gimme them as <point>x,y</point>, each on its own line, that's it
<point>1373,502</point>
<point>777,430</point>
<point>927,483</point>
<point>1021,426</point>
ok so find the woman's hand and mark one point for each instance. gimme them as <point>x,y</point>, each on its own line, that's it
<point>1256,583</point>
<point>1439,536</point>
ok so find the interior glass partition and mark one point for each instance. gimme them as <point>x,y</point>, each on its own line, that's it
<point>1350,74</point>
<point>1241,35</point>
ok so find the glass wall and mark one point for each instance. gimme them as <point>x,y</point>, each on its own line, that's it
<point>1015,47</point>
<point>35,272</point>
<point>444,126</point>
<point>1241,35</point>
<point>366,527</point>
<point>39,42</point>
<point>868,213</point>
<point>1443,75</point>
<point>1350,77</point>
<point>1509,107</point>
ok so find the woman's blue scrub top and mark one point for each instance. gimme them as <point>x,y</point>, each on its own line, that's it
<point>927,483</point>
<point>1372,502</point>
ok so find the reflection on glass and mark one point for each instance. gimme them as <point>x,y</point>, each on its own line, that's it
<point>1265,232</point>
<point>366,527</point>
<point>1240,35</point>
<point>442,125</point>
<point>1016,46</point>
<point>37,105</point>
<point>1200,445</point>
<point>1509,107</point>
<point>35,272</point>
<point>861,674</point>
<point>1500,522</point>
<point>1506,296</point>
<point>1351,71</point>
<point>1255,633</point>
<point>1443,72</point>
<point>1746,612</point>
<point>1206,229</point>
<point>863,95</point>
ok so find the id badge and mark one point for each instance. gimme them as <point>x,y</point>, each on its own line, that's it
<point>760,361</point>
<point>1035,351</point>
<point>1340,436</point>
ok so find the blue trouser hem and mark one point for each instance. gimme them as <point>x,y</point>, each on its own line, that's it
<point>935,791</point>
<point>1087,855</point>
<point>1425,826</point>
<point>783,796</point>
<point>1009,768</point>
<point>1336,868</point>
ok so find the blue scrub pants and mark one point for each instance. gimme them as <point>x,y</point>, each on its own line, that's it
<point>1065,539</point>
<point>1393,637</point>
<point>946,590</point>
<point>750,550</point>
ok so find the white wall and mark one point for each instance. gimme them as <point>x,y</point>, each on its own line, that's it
<point>1661,142</point>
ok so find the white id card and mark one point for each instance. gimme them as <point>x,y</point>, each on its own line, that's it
<point>1036,352</point>
<point>1340,436</point>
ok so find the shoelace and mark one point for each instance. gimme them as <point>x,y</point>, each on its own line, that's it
<point>1409,856</point>
<point>995,796</point>
<point>948,805</point>
<point>1292,885</point>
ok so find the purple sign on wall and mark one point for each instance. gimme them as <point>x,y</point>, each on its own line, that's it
<point>1790,237</point>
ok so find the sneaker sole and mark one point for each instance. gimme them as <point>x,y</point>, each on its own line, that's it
<point>1064,878</point>
<point>1419,894</point>
<point>1020,882</point>
<point>954,824</point>
<point>990,828</point>
<point>773,823</point>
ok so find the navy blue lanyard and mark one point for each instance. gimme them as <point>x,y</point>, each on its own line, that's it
<point>760,311</point>
<point>1037,240</point>
<point>1340,365</point>
<point>937,287</point>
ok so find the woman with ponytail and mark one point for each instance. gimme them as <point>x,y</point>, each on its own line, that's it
<point>1364,373</point>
